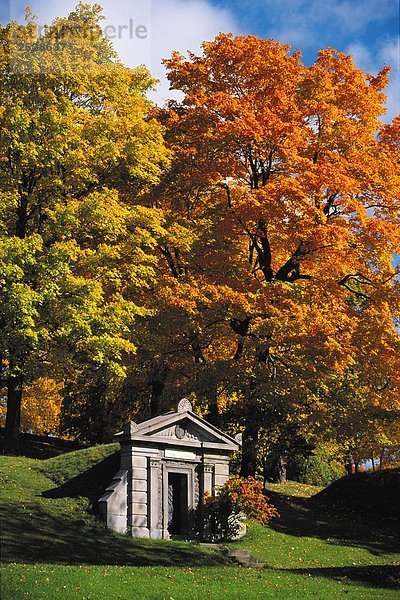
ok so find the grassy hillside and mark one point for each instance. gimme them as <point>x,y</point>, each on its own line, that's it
<point>377,491</point>
<point>65,467</point>
<point>53,547</point>
<point>82,472</point>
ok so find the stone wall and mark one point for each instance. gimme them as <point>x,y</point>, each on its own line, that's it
<point>113,504</point>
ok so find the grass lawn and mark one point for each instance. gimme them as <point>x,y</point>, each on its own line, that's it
<point>52,547</point>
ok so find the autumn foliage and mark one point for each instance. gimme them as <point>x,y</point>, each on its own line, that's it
<point>287,185</point>
<point>236,246</point>
<point>238,496</point>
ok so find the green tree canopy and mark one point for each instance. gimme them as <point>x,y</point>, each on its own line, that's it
<point>77,146</point>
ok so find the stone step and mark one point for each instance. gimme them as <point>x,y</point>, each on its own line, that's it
<point>255,565</point>
<point>239,553</point>
<point>245,558</point>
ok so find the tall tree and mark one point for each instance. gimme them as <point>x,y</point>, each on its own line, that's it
<point>282,200</point>
<point>76,148</point>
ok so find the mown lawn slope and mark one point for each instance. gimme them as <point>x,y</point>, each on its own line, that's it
<point>376,491</point>
<point>54,547</point>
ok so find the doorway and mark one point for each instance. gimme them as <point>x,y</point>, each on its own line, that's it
<point>177,504</point>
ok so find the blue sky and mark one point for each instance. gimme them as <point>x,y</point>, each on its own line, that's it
<point>368,29</point>
<point>313,24</point>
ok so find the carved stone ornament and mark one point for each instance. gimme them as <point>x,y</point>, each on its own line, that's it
<point>130,427</point>
<point>184,405</point>
<point>239,438</point>
<point>180,432</point>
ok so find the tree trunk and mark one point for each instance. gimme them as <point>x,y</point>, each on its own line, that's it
<point>348,465</point>
<point>213,415</point>
<point>14,399</point>
<point>279,469</point>
<point>158,377</point>
<point>373,461</point>
<point>381,458</point>
<point>157,388</point>
<point>249,450</point>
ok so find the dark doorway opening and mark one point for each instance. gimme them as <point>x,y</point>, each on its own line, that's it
<point>177,504</point>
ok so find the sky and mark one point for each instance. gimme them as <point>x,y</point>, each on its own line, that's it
<point>145,31</point>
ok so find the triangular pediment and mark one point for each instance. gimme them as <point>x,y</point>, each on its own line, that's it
<point>175,427</point>
<point>186,430</point>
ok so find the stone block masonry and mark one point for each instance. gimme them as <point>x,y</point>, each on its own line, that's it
<point>167,463</point>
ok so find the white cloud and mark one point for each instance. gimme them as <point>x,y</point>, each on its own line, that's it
<point>357,14</point>
<point>388,53</point>
<point>169,25</point>
<point>183,25</point>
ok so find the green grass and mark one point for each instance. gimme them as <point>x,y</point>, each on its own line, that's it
<point>53,547</point>
<point>293,489</point>
<point>65,467</point>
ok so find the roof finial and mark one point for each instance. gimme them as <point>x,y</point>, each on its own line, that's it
<point>130,428</point>
<point>184,405</point>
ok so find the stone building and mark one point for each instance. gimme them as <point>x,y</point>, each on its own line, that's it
<point>167,464</point>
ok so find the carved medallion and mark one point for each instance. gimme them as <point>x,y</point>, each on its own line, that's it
<point>238,438</point>
<point>180,432</point>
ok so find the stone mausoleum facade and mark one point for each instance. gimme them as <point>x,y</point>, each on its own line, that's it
<point>167,464</point>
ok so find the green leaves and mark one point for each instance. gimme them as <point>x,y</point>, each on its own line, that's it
<point>78,150</point>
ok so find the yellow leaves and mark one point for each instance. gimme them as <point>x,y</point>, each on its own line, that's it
<point>180,236</point>
<point>104,216</point>
<point>271,165</point>
<point>41,406</point>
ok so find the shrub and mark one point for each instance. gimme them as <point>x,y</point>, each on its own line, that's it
<point>321,468</point>
<point>237,499</point>
<point>321,472</point>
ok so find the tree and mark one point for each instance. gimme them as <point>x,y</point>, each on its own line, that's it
<point>282,200</point>
<point>76,148</point>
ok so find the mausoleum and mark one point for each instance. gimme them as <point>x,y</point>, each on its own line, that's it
<point>167,464</point>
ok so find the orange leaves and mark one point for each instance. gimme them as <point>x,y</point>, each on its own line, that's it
<point>282,207</point>
<point>297,142</point>
<point>239,495</point>
<point>195,296</point>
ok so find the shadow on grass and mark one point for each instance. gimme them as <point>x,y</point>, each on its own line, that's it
<point>32,535</point>
<point>91,483</point>
<point>301,517</point>
<point>380,576</point>
<point>42,446</point>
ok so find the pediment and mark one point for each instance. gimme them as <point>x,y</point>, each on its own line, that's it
<point>182,426</point>
<point>186,430</point>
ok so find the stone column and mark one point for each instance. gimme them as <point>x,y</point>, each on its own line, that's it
<point>208,476</point>
<point>221,474</point>
<point>154,499</point>
<point>207,486</point>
